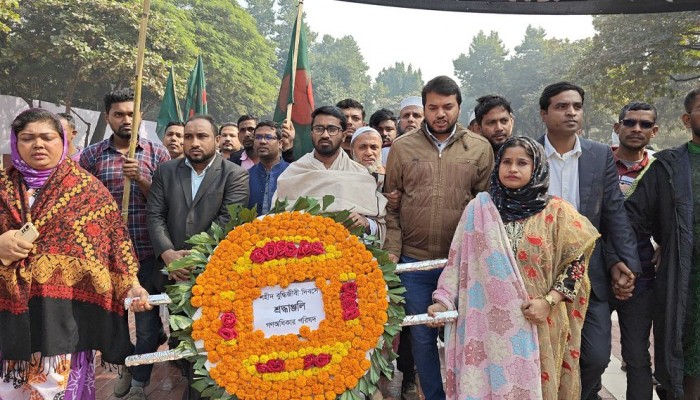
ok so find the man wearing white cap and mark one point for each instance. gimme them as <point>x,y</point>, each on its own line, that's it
<point>410,114</point>
<point>366,145</point>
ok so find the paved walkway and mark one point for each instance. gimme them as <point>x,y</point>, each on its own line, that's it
<point>168,384</point>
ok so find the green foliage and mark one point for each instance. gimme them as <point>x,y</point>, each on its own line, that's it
<point>482,69</point>
<point>239,75</point>
<point>8,14</point>
<point>338,71</point>
<point>655,59</point>
<point>60,53</point>
<point>395,83</point>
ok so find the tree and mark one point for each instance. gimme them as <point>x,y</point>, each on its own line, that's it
<point>263,12</point>
<point>395,83</point>
<point>537,62</point>
<point>58,52</point>
<point>238,60</point>
<point>642,60</point>
<point>338,71</point>
<point>8,14</point>
<point>481,70</point>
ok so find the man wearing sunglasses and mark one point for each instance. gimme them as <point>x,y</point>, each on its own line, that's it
<point>328,170</point>
<point>636,126</point>
<point>263,175</point>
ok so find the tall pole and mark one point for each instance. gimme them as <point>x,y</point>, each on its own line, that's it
<point>293,76</point>
<point>137,103</point>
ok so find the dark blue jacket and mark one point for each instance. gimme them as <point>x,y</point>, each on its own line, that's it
<point>257,177</point>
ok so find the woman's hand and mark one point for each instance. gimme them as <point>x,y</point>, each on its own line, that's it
<point>536,310</point>
<point>432,310</point>
<point>140,296</point>
<point>13,248</point>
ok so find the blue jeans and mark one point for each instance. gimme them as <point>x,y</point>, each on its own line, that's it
<point>419,296</point>
<point>149,327</point>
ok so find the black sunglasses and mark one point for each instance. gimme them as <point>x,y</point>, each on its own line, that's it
<point>631,123</point>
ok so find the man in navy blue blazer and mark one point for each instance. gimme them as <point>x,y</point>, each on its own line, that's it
<point>583,172</point>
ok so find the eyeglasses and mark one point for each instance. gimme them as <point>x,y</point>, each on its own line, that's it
<point>319,129</point>
<point>267,137</point>
<point>631,123</point>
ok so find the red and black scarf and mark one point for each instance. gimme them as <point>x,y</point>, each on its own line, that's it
<point>67,296</point>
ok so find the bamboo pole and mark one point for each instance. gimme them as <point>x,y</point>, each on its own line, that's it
<point>136,122</point>
<point>293,75</point>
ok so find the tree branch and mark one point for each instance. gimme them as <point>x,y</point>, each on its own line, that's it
<point>673,78</point>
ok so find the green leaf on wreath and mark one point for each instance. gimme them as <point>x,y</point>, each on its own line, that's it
<point>180,321</point>
<point>327,201</point>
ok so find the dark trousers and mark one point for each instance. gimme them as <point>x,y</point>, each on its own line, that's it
<point>634,316</point>
<point>596,345</point>
<point>149,327</point>
<point>405,362</point>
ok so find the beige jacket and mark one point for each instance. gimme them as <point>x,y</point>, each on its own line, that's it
<point>436,188</point>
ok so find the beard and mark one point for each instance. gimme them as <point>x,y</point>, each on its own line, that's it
<point>327,148</point>
<point>123,133</point>
<point>201,158</point>
<point>445,131</point>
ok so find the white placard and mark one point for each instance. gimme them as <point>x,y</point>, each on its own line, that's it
<point>282,311</point>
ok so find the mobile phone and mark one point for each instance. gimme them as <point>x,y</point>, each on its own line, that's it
<point>28,233</point>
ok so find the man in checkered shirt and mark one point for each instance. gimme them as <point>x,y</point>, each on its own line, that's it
<point>108,161</point>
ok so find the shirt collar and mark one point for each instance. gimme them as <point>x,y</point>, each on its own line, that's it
<point>642,164</point>
<point>549,150</point>
<point>430,134</point>
<point>187,162</point>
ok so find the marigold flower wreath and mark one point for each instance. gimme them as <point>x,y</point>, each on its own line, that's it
<point>212,314</point>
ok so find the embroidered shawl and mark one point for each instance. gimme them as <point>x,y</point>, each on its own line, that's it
<point>492,350</point>
<point>67,295</point>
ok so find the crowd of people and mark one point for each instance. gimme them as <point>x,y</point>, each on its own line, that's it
<point>544,238</point>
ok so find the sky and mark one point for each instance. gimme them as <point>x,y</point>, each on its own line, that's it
<point>429,40</point>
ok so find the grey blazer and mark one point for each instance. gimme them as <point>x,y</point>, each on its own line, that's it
<point>174,216</point>
<point>601,201</point>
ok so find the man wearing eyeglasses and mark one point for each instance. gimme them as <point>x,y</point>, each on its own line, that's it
<point>329,170</point>
<point>636,126</point>
<point>263,175</point>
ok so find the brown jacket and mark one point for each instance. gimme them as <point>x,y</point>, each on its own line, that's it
<point>436,189</point>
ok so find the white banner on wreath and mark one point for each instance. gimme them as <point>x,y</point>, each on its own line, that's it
<point>281,311</point>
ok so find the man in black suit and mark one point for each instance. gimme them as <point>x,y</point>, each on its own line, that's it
<point>583,172</point>
<point>190,193</point>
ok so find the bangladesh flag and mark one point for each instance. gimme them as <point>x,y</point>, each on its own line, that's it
<point>196,102</point>
<point>169,106</point>
<point>302,96</point>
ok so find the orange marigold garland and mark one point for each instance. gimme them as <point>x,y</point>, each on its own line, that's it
<point>341,358</point>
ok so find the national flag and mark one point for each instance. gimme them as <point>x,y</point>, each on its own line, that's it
<point>302,96</point>
<point>196,102</point>
<point>169,106</point>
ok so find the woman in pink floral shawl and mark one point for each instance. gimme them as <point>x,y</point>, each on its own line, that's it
<point>517,275</point>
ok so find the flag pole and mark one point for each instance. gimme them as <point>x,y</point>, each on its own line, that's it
<point>136,122</point>
<point>293,75</point>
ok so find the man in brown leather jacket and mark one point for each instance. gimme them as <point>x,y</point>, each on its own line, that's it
<point>438,168</point>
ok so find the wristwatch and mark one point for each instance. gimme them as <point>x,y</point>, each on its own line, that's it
<point>549,299</point>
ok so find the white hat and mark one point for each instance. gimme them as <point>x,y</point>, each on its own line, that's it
<point>362,130</point>
<point>472,116</point>
<point>411,101</point>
